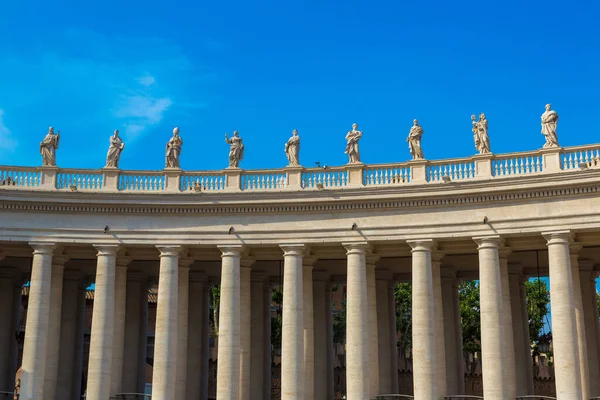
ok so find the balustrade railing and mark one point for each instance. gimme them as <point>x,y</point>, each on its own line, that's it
<point>489,166</point>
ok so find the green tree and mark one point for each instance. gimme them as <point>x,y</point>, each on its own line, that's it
<point>403,298</point>
<point>215,300</point>
<point>339,325</point>
<point>538,301</point>
<point>276,321</point>
<point>470,315</point>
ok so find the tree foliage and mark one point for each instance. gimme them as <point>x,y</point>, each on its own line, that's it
<point>276,321</point>
<point>215,301</point>
<point>403,299</point>
<point>470,315</point>
<point>538,301</point>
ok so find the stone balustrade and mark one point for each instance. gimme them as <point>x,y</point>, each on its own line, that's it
<point>416,172</point>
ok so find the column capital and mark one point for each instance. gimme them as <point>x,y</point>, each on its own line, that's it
<point>186,262</point>
<point>437,256</point>
<point>293,249</point>
<point>60,260</point>
<point>357,247</point>
<point>418,245</point>
<point>169,250</point>
<point>309,261</point>
<point>488,242</point>
<point>247,262</point>
<point>123,261</point>
<point>575,248</point>
<point>42,248</point>
<point>109,250</point>
<point>231,250</point>
<point>504,252</point>
<point>558,237</point>
<point>371,260</point>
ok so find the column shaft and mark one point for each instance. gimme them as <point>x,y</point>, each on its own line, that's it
<point>292,335</point>
<point>245,329</point>
<point>309,331</point>
<point>183,299</point>
<point>80,339</point>
<point>143,340</point>
<point>460,367</point>
<point>267,376</point>
<point>373,333</point>
<point>580,323</point>
<point>522,351</point>
<point>525,315</point>
<point>205,340</point>
<point>132,336</point>
<point>228,366</point>
<point>564,328</point>
<point>393,335</point>
<point>588,294</point>
<point>383,333</point>
<point>492,326</point>
<point>329,327</point>
<point>116,382</point>
<point>15,328</point>
<point>257,334</point>
<point>166,336</point>
<point>36,333</point>
<point>320,335</point>
<point>194,357</point>
<point>438,312</point>
<point>451,357</point>
<point>53,354</point>
<point>510,377</point>
<point>6,334</point>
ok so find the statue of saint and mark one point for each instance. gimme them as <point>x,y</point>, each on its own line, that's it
<point>236,149</point>
<point>114,151</point>
<point>174,150</point>
<point>292,149</point>
<point>352,138</point>
<point>549,122</point>
<point>48,148</point>
<point>480,134</point>
<point>414,141</point>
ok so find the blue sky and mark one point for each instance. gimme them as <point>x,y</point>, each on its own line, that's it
<point>267,67</point>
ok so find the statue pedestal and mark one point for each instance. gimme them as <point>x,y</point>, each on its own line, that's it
<point>483,165</point>
<point>551,159</point>
<point>111,178</point>
<point>418,171</point>
<point>294,176</point>
<point>172,176</point>
<point>48,177</point>
<point>234,179</point>
<point>355,174</point>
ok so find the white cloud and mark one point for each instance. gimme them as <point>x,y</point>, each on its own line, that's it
<point>6,139</point>
<point>147,80</point>
<point>140,111</point>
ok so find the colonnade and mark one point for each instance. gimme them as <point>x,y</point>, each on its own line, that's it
<point>52,351</point>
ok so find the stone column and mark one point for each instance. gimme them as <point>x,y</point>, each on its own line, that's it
<point>528,359</point>
<point>36,335</point>
<point>373,333</point>
<point>522,350</point>
<point>143,337</point>
<point>588,294</point>
<point>564,327</point>
<point>7,276</point>
<point>452,359</point>
<point>309,329</point>
<point>383,331</point>
<point>68,336</point>
<point>133,315</point>
<point>425,366</point>
<point>329,327</point>
<point>393,334</point>
<point>267,378</point>
<point>245,327</point>
<point>228,366</point>
<point>80,339</point>
<point>492,325</point>
<point>195,338</point>
<point>320,334</point>
<point>460,367</point>
<point>357,346</point>
<point>167,315</point>
<point>183,298</point>
<point>580,322</point>
<point>103,320</point>
<point>510,377</point>
<point>438,312</point>
<point>292,333</point>
<point>257,336</point>
<point>116,382</point>
<point>205,339</point>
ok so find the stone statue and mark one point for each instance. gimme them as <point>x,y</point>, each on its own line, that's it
<point>480,134</point>
<point>236,149</point>
<point>174,150</point>
<point>292,149</point>
<point>114,151</point>
<point>48,148</point>
<point>414,141</point>
<point>352,138</point>
<point>549,122</point>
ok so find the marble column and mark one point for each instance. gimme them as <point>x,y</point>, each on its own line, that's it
<point>564,327</point>
<point>103,320</point>
<point>393,335</point>
<point>7,276</point>
<point>292,332</point>
<point>33,366</point>
<point>183,298</point>
<point>68,336</point>
<point>116,382</point>
<point>195,338</point>
<point>320,334</point>
<point>521,344</point>
<point>267,376</point>
<point>329,327</point>
<point>205,340</point>
<point>133,315</point>
<point>588,294</point>
<point>228,366</point>
<point>373,333</point>
<point>245,327</point>
<point>257,335</point>
<point>438,312</point>
<point>492,325</point>
<point>309,329</point>
<point>525,315</point>
<point>80,338</point>
<point>452,359</point>
<point>510,377</point>
<point>460,367</point>
<point>167,314</point>
<point>383,278</point>
<point>143,336</point>
<point>580,322</point>
<point>425,367</point>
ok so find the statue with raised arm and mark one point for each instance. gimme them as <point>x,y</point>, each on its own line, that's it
<point>114,150</point>
<point>414,141</point>
<point>549,122</point>
<point>292,149</point>
<point>480,134</point>
<point>236,149</point>
<point>352,138</point>
<point>174,150</point>
<point>48,148</point>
